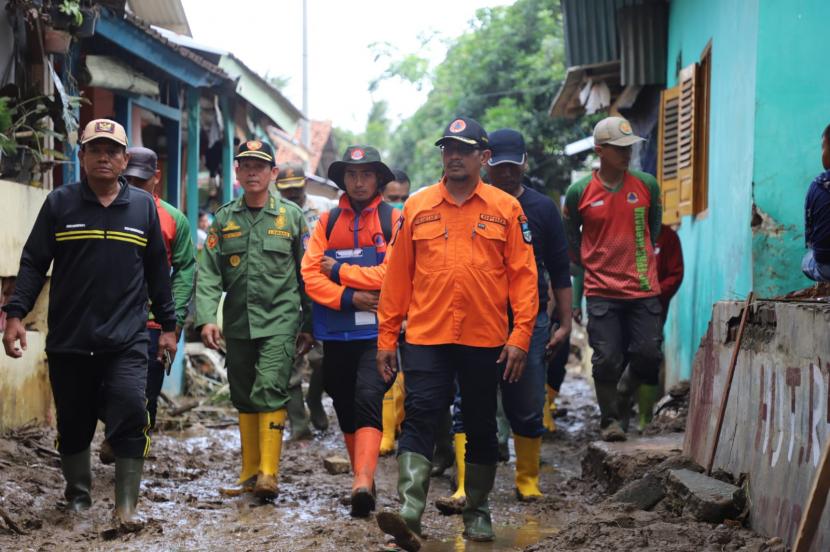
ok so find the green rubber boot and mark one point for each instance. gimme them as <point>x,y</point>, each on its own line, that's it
<point>478,483</point>
<point>413,485</point>
<point>78,474</point>
<point>297,415</point>
<point>127,486</point>
<point>502,431</point>
<point>646,398</point>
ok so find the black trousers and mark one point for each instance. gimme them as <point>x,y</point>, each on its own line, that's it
<point>351,379</point>
<point>626,331</point>
<point>112,382</point>
<point>155,376</point>
<point>431,372</point>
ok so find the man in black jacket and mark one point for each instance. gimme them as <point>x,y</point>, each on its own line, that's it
<point>106,244</point>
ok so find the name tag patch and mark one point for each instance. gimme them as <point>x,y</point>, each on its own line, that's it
<point>426,218</point>
<point>493,218</point>
<point>280,233</point>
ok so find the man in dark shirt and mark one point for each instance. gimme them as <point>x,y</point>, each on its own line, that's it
<point>104,238</point>
<point>816,262</point>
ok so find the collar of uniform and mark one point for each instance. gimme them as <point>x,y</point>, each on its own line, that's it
<point>444,194</point>
<point>122,197</point>
<point>273,205</point>
<point>344,203</point>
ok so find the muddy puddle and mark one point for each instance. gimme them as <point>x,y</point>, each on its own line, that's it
<point>198,454</point>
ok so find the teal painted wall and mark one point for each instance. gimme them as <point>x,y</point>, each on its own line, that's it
<point>792,110</point>
<point>717,247</point>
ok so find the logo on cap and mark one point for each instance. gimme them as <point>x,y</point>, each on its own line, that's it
<point>457,126</point>
<point>357,154</point>
<point>253,145</point>
<point>105,126</point>
<point>625,128</point>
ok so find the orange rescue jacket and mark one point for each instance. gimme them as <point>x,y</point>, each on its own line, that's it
<point>453,269</point>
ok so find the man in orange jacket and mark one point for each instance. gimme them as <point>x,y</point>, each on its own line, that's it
<point>343,270</point>
<point>460,251</point>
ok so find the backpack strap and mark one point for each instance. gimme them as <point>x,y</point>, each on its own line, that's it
<point>385,212</point>
<point>334,214</point>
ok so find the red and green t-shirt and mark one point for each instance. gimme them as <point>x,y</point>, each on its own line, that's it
<point>612,233</point>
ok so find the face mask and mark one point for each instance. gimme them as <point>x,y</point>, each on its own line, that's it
<point>397,205</point>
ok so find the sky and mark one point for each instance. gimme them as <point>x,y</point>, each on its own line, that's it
<point>267,36</point>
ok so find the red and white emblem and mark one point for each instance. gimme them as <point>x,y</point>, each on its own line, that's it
<point>457,126</point>
<point>357,154</point>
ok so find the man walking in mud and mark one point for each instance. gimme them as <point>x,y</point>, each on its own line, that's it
<point>460,251</point>
<point>104,238</point>
<point>612,220</point>
<point>253,253</point>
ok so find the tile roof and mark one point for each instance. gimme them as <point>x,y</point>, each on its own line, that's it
<point>320,134</point>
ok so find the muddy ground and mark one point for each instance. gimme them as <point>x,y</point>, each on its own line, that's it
<point>198,454</point>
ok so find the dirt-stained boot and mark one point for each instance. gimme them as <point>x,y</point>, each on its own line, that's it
<point>479,482</point>
<point>366,446</point>
<point>105,453</point>
<point>454,504</point>
<point>249,440</point>
<point>78,474</point>
<point>626,390</point>
<point>527,467</point>
<point>127,486</point>
<point>387,443</point>
<point>271,427</point>
<point>609,417</point>
<point>413,485</point>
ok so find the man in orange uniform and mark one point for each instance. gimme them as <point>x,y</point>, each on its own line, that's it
<point>343,270</point>
<point>460,251</point>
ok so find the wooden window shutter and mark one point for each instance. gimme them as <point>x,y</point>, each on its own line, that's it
<point>686,140</point>
<point>667,154</point>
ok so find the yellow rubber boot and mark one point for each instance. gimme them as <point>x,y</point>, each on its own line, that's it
<point>453,505</point>
<point>387,443</point>
<point>399,394</point>
<point>249,439</point>
<point>271,427</point>
<point>527,467</point>
<point>549,409</point>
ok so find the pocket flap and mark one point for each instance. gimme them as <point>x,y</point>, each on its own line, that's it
<point>428,231</point>
<point>277,245</point>
<point>492,232</point>
<point>233,245</point>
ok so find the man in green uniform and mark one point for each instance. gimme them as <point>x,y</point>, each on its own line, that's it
<point>253,253</point>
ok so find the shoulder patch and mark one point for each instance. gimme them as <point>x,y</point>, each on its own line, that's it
<point>398,226</point>
<point>526,235</point>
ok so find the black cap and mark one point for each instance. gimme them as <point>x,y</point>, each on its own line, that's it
<point>256,149</point>
<point>143,163</point>
<point>360,155</point>
<point>466,130</point>
<point>507,146</point>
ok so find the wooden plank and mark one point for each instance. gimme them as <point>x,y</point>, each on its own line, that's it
<point>815,503</point>
<point>728,385</point>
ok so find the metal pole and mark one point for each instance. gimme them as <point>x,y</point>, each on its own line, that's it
<point>306,120</point>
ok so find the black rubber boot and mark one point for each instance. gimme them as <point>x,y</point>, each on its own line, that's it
<point>127,486</point>
<point>444,456</point>
<point>314,398</point>
<point>78,474</point>
<point>297,415</point>
<point>607,399</point>
<point>478,483</point>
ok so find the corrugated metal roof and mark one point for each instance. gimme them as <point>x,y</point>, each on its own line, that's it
<point>162,13</point>
<point>643,43</point>
<point>591,30</point>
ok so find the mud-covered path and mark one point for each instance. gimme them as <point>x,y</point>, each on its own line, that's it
<point>184,510</point>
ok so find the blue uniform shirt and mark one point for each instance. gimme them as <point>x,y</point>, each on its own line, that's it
<point>817,217</point>
<point>549,245</point>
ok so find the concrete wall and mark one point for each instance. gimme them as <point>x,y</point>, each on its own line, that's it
<point>791,111</point>
<point>717,246</point>
<point>24,383</point>
<point>778,416</point>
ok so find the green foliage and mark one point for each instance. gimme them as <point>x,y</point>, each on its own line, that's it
<point>504,72</point>
<point>376,134</point>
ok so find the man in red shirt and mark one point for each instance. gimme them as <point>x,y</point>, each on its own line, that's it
<point>612,219</point>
